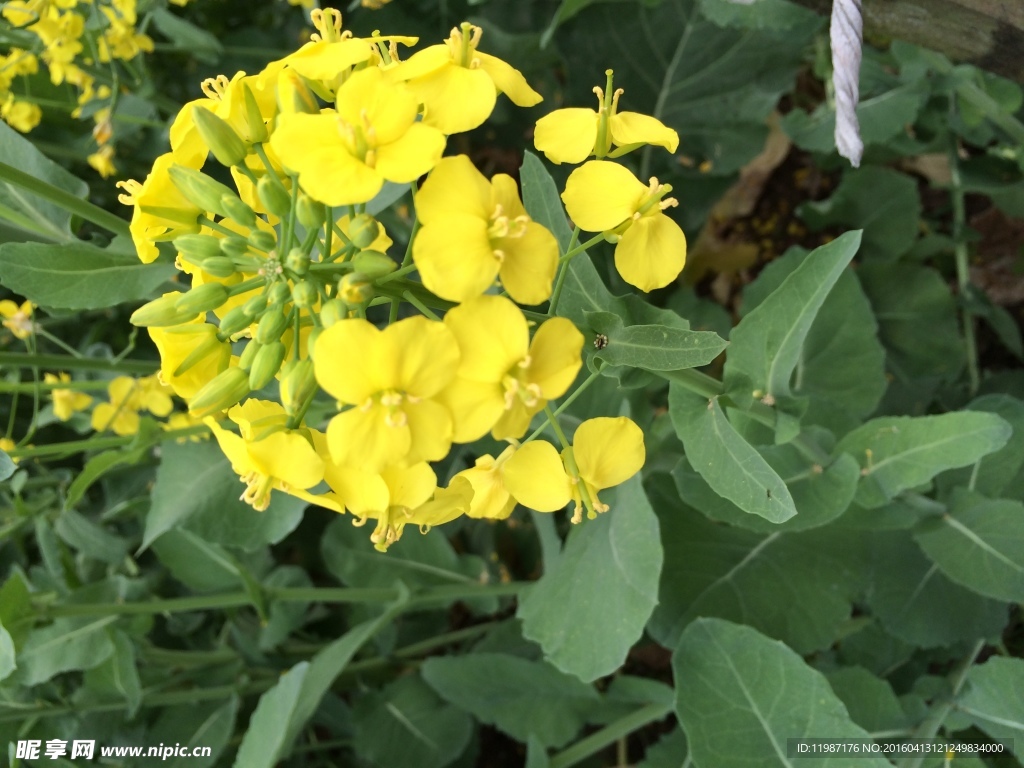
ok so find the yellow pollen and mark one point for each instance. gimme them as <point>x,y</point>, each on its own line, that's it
<point>215,87</point>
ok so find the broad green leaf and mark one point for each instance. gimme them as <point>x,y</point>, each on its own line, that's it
<point>994,700</point>
<point>765,347</point>
<point>407,724</point>
<point>588,611</point>
<point>762,14</point>
<point>197,41</point>
<point>117,678</point>
<point>819,495</point>
<point>792,586</point>
<point>67,644</point>
<point>995,471</point>
<point>199,564</point>
<point>728,463</point>
<point>871,702</point>
<point>32,215</point>
<point>389,194</point>
<point>741,696</point>
<point>90,539</point>
<point>873,648</point>
<point>566,10</point>
<point>670,751</point>
<point>16,611</point>
<point>200,724</point>
<point>919,605</point>
<point>628,693</point>
<point>897,453</point>
<point>99,465</point>
<point>541,200</point>
<point>841,369</point>
<point>284,617</point>
<point>266,740</point>
<point>78,275</point>
<point>7,656</point>
<point>521,698</point>
<point>7,467</point>
<point>196,488</point>
<point>979,544</point>
<point>653,347</point>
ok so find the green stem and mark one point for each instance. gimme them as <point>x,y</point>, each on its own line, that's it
<point>608,735</point>
<point>99,443</point>
<point>62,362</point>
<point>411,298</point>
<point>78,386</point>
<point>400,272</point>
<point>565,404</point>
<point>553,421</point>
<point>581,248</point>
<point>963,275</point>
<point>65,200</point>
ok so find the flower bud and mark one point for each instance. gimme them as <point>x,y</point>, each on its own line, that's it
<point>195,248</point>
<point>310,212</point>
<point>293,95</point>
<point>363,230</point>
<point>354,289</point>
<point>203,298</point>
<point>253,116</point>
<point>304,294</point>
<point>235,321</point>
<point>272,324</point>
<point>162,312</point>
<point>373,264</point>
<point>221,392</point>
<point>332,311</point>
<point>279,293</point>
<point>297,384</point>
<point>266,364</point>
<point>297,261</point>
<point>238,211</point>
<point>262,241</point>
<point>220,137</point>
<point>234,246</point>
<point>198,188</point>
<point>219,266</point>
<point>255,306</point>
<point>248,355</point>
<point>275,198</point>
<point>210,345</point>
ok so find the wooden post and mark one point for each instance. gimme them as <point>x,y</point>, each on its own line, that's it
<point>986,33</point>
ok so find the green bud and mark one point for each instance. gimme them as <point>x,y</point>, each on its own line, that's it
<point>297,261</point>
<point>221,392</point>
<point>297,384</point>
<point>332,311</point>
<point>304,294</point>
<point>238,210</point>
<point>279,293</point>
<point>274,197</point>
<point>248,354</point>
<point>207,347</point>
<point>198,188</point>
<point>253,116</point>
<point>196,248</point>
<point>373,264</point>
<point>310,212</point>
<point>294,95</point>
<point>363,230</point>
<point>162,312</point>
<point>272,325</point>
<point>262,241</point>
<point>234,321</point>
<point>219,266</point>
<point>255,306</point>
<point>266,364</point>
<point>203,298</point>
<point>234,246</point>
<point>226,145</point>
<point>354,289</point>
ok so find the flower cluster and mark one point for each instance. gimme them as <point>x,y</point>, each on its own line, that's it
<point>293,293</point>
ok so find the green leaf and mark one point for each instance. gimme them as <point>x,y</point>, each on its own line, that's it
<point>32,215</point>
<point>819,496</point>
<point>199,564</point>
<point>653,347</point>
<point>763,14</point>
<point>521,698</point>
<point>7,466</point>
<point>197,41</point>
<point>994,700</point>
<point>200,724</point>
<point>7,656</point>
<point>765,347</point>
<point>16,611</point>
<point>67,644</point>
<point>407,724</point>
<point>542,202</point>
<point>89,538</point>
<point>211,507</point>
<point>995,471</point>
<point>588,611</point>
<point>99,465</point>
<point>792,586</point>
<point>566,11</point>
<point>918,604</point>
<point>728,463</point>
<point>117,678</point>
<point>741,696</point>
<point>979,544</point>
<point>898,453</point>
<point>671,751</point>
<point>78,275</point>
<point>871,702</point>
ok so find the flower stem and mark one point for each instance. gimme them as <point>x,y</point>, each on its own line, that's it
<point>963,275</point>
<point>65,200</point>
<point>608,735</point>
<point>7,388</point>
<point>565,404</point>
<point>411,298</point>
<point>99,443</point>
<point>23,360</point>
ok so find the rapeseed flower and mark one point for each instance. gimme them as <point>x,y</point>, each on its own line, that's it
<point>66,402</point>
<point>17,319</point>
<point>605,452</point>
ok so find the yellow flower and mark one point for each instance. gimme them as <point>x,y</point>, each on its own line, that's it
<point>531,474</point>
<point>190,356</point>
<point>20,115</point>
<point>102,161</point>
<point>128,396</point>
<point>572,135</point>
<point>605,452</point>
<point>601,196</point>
<point>392,378</point>
<point>503,379</point>
<point>7,445</point>
<point>18,320</point>
<point>161,211</point>
<point>267,456</point>
<point>474,231</point>
<point>179,420</point>
<point>459,85</point>
<point>66,402</point>
<point>344,157</point>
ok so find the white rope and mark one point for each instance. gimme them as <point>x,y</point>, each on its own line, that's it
<point>846,33</point>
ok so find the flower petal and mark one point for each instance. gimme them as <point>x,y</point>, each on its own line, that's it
<point>475,407</point>
<point>530,263</point>
<point>635,128</point>
<point>509,80</point>
<point>430,426</point>
<point>424,353</point>
<point>600,195</point>
<point>410,486</point>
<point>349,380</point>
<point>455,99</point>
<point>454,186</point>
<point>608,451</point>
<point>555,357</point>
<point>454,257</point>
<point>289,457</point>
<point>535,477</point>
<point>492,335</point>
<point>567,135</point>
<point>651,253</point>
<point>363,439</point>
<point>411,155</point>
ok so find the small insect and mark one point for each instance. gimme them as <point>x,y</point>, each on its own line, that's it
<point>600,341</point>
